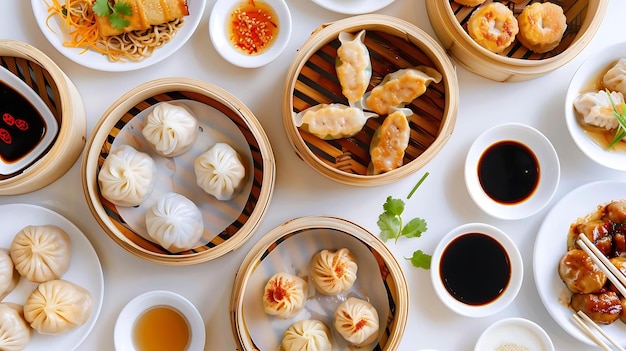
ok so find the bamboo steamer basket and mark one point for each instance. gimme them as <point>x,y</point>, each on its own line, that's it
<point>516,63</point>
<point>59,93</point>
<point>127,107</point>
<point>393,44</point>
<point>291,246</point>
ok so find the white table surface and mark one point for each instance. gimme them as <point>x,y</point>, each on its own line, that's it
<point>442,200</point>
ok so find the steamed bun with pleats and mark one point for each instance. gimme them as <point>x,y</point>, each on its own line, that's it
<point>333,272</point>
<point>170,129</point>
<point>357,321</point>
<point>9,276</point>
<point>58,306</point>
<point>15,333</point>
<point>41,252</point>
<point>175,222</point>
<point>307,335</point>
<point>127,176</point>
<point>219,171</point>
<point>284,295</point>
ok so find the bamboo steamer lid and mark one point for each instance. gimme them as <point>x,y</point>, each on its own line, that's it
<point>517,63</point>
<point>306,235</point>
<point>59,93</point>
<point>393,44</point>
<point>130,105</point>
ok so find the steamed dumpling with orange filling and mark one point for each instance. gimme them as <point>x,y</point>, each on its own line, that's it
<point>332,121</point>
<point>389,144</point>
<point>41,252</point>
<point>357,321</point>
<point>353,65</point>
<point>170,129</point>
<point>284,295</point>
<point>400,88</point>
<point>333,272</point>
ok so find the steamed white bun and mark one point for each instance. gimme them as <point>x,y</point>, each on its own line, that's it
<point>175,222</point>
<point>15,333</point>
<point>41,252</point>
<point>170,129</point>
<point>219,171</point>
<point>127,176</point>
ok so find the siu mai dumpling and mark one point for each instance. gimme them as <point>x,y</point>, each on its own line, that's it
<point>389,144</point>
<point>332,121</point>
<point>596,109</point>
<point>353,65</point>
<point>333,272</point>
<point>41,252</point>
<point>170,129</point>
<point>15,333</point>
<point>357,321</point>
<point>400,88</point>
<point>175,222</point>
<point>284,295</point>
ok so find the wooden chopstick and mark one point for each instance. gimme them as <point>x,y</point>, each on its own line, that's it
<point>583,321</point>
<point>612,273</point>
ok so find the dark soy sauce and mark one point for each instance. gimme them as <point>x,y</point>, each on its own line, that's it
<point>508,172</point>
<point>475,268</point>
<point>21,125</point>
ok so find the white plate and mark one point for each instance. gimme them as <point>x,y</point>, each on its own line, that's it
<point>56,35</point>
<point>551,244</point>
<point>84,270</point>
<point>519,332</point>
<point>353,7</point>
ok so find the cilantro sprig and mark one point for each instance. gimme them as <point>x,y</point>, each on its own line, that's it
<point>620,115</point>
<point>391,226</point>
<point>114,12</point>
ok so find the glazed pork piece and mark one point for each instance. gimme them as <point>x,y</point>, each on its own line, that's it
<point>579,273</point>
<point>602,308</point>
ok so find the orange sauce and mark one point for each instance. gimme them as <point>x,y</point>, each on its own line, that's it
<point>161,328</point>
<point>253,27</point>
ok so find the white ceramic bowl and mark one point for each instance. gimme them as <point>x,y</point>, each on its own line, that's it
<point>509,290</point>
<point>123,333</point>
<point>51,129</point>
<point>519,333</point>
<point>545,156</point>
<point>219,33</point>
<point>589,72</point>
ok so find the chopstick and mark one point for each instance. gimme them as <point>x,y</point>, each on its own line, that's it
<point>582,320</point>
<point>612,273</point>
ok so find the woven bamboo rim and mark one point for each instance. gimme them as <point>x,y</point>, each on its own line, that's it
<point>517,63</point>
<point>59,93</point>
<point>142,97</point>
<point>393,44</point>
<point>390,271</point>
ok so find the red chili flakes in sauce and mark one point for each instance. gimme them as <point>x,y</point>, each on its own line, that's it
<point>253,27</point>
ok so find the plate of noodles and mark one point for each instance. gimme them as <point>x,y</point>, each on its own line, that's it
<point>94,42</point>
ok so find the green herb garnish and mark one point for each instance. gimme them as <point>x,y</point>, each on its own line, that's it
<point>620,115</point>
<point>104,8</point>
<point>391,226</point>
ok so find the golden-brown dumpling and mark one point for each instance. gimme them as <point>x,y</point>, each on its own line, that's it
<point>333,272</point>
<point>357,321</point>
<point>284,295</point>
<point>41,252</point>
<point>15,333</point>
<point>9,277</point>
<point>389,143</point>
<point>579,273</point>
<point>57,306</point>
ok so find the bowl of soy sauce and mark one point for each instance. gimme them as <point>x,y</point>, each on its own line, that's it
<point>476,270</point>
<point>512,171</point>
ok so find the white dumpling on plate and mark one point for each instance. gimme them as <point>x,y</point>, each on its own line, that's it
<point>357,321</point>
<point>219,171</point>
<point>127,176</point>
<point>170,129</point>
<point>58,306</point>
<point>175,222</point>
<point>615,78</point>
<point>15,333</point>
<point>595,108</point>
<point>307,335</point>
<point>41,252</point>
<point>9,276</point>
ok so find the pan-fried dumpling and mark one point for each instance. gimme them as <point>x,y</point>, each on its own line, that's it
<point>170,129</point>
<point>400,88</point>
<point>15,333</point>
<point>219,171</point>
<point>389,143</point>
<point>57,306</point>
<point>127,176</point>
<point>9,276</point>
<point>333,272</point>
<point>357,321</point>
<point>332,121</point>
<point>175,222</point>
<point>41,252</point>
<point>615,78</point>
<point>284,295</point>
<point>596,110</point>
<point>353,65</point>
<point>307,335</point>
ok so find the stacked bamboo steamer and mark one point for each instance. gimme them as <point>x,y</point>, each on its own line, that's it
<point>517,63</point>
<point>59,93</point>
<point>131,104</point>
<point>393,44</point>
<point>290,246</point>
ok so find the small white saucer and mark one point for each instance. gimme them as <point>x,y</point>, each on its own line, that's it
<point>516,332</point>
